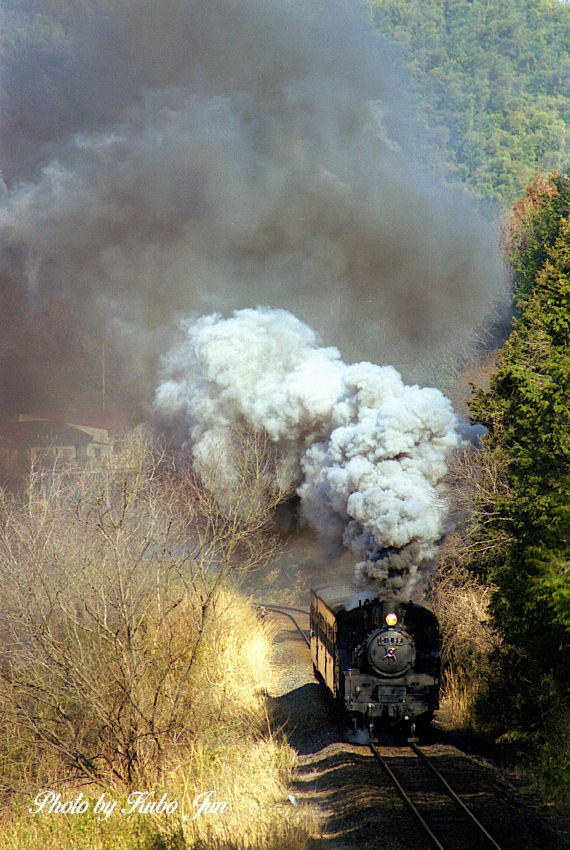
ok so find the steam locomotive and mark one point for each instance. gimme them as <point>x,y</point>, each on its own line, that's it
<point>380,660</point>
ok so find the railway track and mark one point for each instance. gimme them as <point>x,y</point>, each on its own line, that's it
<point>459,818</point>
<point>465,819</point>
<point>284,611</point>
<point>361,807</point>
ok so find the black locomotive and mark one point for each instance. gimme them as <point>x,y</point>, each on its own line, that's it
<point>380,660</point>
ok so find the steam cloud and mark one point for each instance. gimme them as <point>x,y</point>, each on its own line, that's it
<point>188,156</point>
<point>366,453</point>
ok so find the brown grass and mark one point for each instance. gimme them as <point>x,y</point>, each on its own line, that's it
<point>235,754</point>
<point>469,640</point>
<point>128,665</point>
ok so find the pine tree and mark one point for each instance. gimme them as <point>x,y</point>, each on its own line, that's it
<point>527,413</point>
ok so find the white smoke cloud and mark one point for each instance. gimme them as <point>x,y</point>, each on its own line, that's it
<point>365,452</point>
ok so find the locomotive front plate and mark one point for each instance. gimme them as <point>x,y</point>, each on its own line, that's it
<point>391,651</point>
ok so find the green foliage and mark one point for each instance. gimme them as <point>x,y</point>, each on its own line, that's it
<point>527,413</point>
<point>535,227</point>
<point>496,73</point>
<point>174,841</point>
<point>552,759</point>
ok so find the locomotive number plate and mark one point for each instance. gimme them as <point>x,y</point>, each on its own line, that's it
<point>390,640</point>
<point>391,694</point>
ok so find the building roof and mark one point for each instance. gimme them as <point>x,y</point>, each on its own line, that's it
<point>40,433</point>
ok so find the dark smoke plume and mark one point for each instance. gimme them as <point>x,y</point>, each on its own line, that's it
<point>192,156</point>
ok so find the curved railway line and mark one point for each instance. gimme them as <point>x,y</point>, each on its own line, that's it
<point>284,610</point>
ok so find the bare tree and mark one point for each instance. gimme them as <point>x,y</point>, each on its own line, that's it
<point>461,599</point>
<point>479,491</point>
<point>109,584</point>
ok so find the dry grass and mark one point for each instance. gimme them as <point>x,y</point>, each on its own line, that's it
<point>252,777</point>
<point>461,605</point>
<point>20,830</point>
<point>458,696</point>
<point>239,758</point>
<point>128,665</point>
<point>234,754</point>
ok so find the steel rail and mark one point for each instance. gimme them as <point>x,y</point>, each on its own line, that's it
<point>435,841</point>
<point>284,607</point>
<point>454,796</point>
<point>275,610</point>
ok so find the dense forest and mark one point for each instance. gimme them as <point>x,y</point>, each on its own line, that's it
<point>493,81</point>
<point>520,541</point>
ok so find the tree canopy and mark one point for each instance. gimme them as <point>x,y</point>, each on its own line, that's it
<point>493,78</point>
<point>527,414</point>
<point>534,227</point>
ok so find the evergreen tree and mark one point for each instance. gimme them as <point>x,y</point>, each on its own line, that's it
<point>527,413</point>
<point>534,227</point>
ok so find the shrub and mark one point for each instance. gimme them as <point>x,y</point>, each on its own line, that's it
<point>111,602</point>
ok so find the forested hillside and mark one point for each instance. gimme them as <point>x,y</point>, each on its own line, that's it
<point>514,548</point>
<point>494,83</point>
<point>493,92</point>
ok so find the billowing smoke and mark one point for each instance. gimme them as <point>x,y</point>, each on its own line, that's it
<point>163,158</point>
<point>365,452</point>
<point>191,157</point>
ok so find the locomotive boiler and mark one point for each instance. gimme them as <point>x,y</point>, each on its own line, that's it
<point>379,658</point>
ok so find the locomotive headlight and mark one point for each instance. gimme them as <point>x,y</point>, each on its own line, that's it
<point>391,619</point>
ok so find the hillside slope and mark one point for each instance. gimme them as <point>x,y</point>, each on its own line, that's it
<point>494,83</point>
